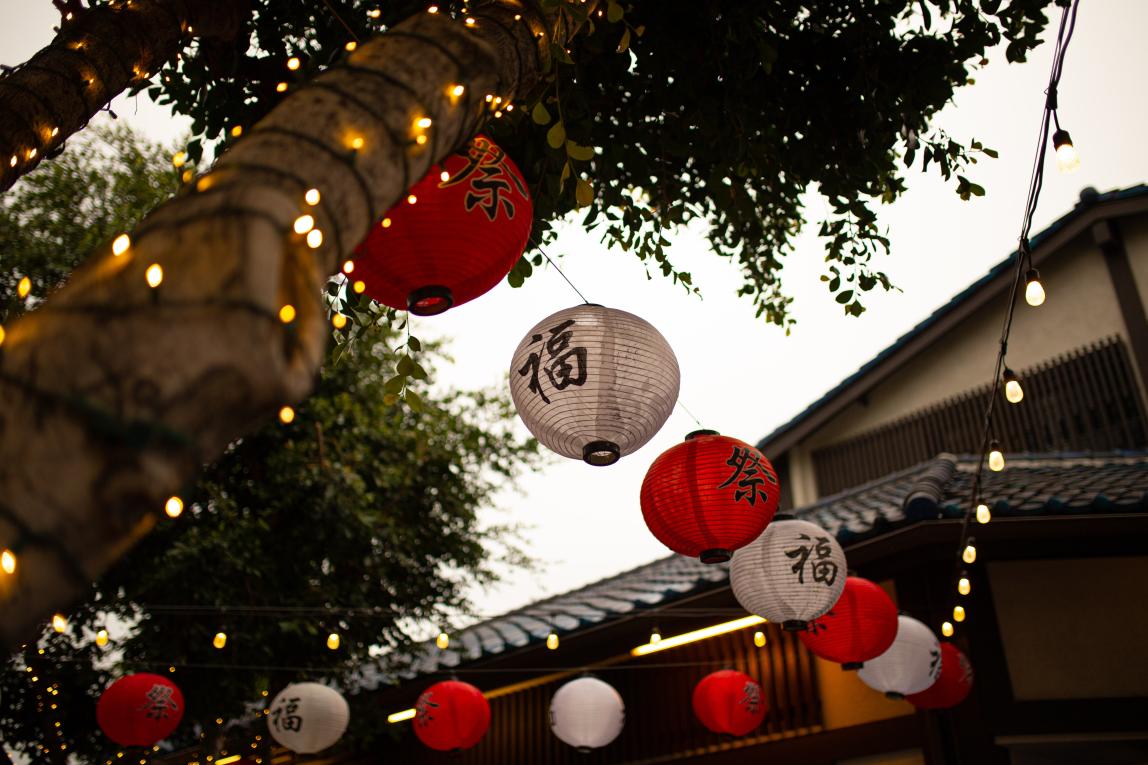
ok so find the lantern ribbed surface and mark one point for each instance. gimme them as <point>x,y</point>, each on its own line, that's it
<point>793,573</point>
<point>861,625</point>
<point>140,709</point>
<point>458,238</point>
<point>953,684</point>
<point>587,713</point>
<point>308,717</point>
<point>729,702</point>
<point>709,495</point>
<point>911,664</point>
<point>594,383</point>
<point>451,715</point>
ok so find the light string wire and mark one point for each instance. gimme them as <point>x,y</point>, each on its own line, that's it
<point>1023,265</point>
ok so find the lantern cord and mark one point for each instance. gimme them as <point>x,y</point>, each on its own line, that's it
<point>691,414</point>
<point>559,270</point>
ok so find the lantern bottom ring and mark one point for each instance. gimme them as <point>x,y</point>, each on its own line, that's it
<point>715,555</point>
<point>894,695</point>
<point>794,625</point>
<point>601,453</point>
<point>430,300</point>
<point>851,665</point>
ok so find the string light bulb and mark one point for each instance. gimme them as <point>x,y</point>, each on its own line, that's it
<point>444,176</point>
<point>357,143</point>
<point>348,266</point>
<point>59,623</point>
<point>442,641</point>
<point>24,288</point>
<point>8,561</point>
<point>457,90</point>
<point>970,554</point>
<point>3,334</point>
<point>220,640</point>
<point>996,457</point>
<point>552,641</point>
<point>958,613</point>
<point>281,87</point>
<point>333,641</point>
<point>287,313</point>
<point>1013,393</point>
<point>293,63</point>
<point>655,636</point>
<point>423,122</point>
<point>304,223</point>
<point>102,638</point>
<point>154,275</point>
<point>312,197</point>
<point>759,639</point>
<point>173,507</point>
<point>121,244</point>
<point>1067,158</point>
<point>947,629</point>
<point>983,514</point>
<point>470,22</point>
<point>314,238</point>
<point>432,9</point>
<point>179,159</point>
<point>359,287</point>
<point>338,321</point>
<point>964,587</point>
<point>1033,289</point>
<point>412,199</point>
<point>286,415</point>
<point>236,131</point>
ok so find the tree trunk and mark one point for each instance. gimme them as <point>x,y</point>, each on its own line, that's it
<point>113,394</point>
<point>96,56</point>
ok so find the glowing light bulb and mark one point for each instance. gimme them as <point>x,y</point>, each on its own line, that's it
<point>470,22</point>
<point>59,623</point>
<point>121,244</point>
<point>420,139</point>
<point>432,9</point>
<point>286,415</point>
<point>350,46</point>
<point>552,641</point>
<point>1012,390</point>
<point>947,629</point>
<point>655,636</point>
<point>312,197</point>
<point>179,159</point>
<point>173,507</point>
<point>338,321</point>
<point>386,223</point>
<point>281,87</point>
<point>958,613</point>
<point>220,640</point>
<point>458,90</point>
<point>293,63</point>
<point>442,641</point>
<point>304,223</point>
<point>287,314</point>
<point>24,288</point>
<point>356,143</point>
<point>1033,289</point>
<point>154,275</point>
<point>8,561</point>
<point>969,555</point>
<point>411,199</point>
<point>359,287</point>
<point>102,638</point>
<point>423,122</point>
<point>333,641</point>
<point>759,639</point>
<point>374,13</point>
<point>983,514</point>
<point>444,176</point>
<point>314,238</point>
<point>964,587</point>
<point>1067,159</point>
<point>236,131</point>
<point>996,457</point>
<point>3,334</point>
<point>348,266</point>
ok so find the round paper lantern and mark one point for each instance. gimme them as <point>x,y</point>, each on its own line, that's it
<point>792,573</point>
<point>729,702</point>
<point>140,709</point>
<point>451,715</point>
<point>861,625</point>
<point>910,665</point>
<point>587,713</point>
<point>308,717</point>
<point>709,495</point>
<point>953,684</point>
<point>594,383</point>
<point>451,240</point>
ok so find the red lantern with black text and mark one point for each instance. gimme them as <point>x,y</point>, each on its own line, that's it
<point>709,495</point>
<point>453,237</point>
<point>953,684</point>
<point>860,626</point>
<point>140,709</point>
<point>451,715</point>
<point>729,702</point>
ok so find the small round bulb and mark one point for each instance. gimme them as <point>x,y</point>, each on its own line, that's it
<point>969,555</point>
<point>983,514</point>
<point>8,561</point>
<point>314,238</point>
<point>552,641</point>
<point>996,457</point>
<point>304,223</point>
<point>121,244</point>
<point>154,275</point>
<point>348,266</point>
<point>338,321</point>
<point>1033,289</point>
<point>958,613</point>
<point>286,415</point>
<point>947,629</point>
<point>281,87</point>
<point>1012,390</point>
<point>287,314</point>
<point>1067,158</point>
<point>386,223</point>
<point>442,641</point>
<point>964,587</point>
<point>444,176</point>
<point>311,197</point>
<point>411,199</point>
<point>359,287</point>
<point>655,636</point>
<point>333,641</point>
<point>102,638</point>
<point>173,507</point>
<point>179,159</point>
<point>759,639</point>
<point>59,623</point>
<point>220,640</point>
<point>293,63</point>
<point>349,47</point>
<point>236,131</point>
<point>24,288</point>
<point>423,122</point>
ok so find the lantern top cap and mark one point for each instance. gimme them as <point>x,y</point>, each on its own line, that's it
<point>703,432</point>
<point>785,517</point>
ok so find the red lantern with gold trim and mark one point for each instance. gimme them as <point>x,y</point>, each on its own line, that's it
<point>449,241</point>
<point>952,685</point>
<point>860,626</point>
<point>140,709</point>
<point>451,715</point>
<point>709,495</point>
<point>729,702</point>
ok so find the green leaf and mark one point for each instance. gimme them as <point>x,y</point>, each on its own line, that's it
<point>417,371</point>
<point>405,366</point>
<point>395,384</point>
<point>413,401</point>
<point>414,344</point>
<point>614,11</point>
<point>624,43</point>
<point>583,193</point>
<point>556,135</point>
<point>845,296</point>
<point>540,114</point>
<point>580,153</point>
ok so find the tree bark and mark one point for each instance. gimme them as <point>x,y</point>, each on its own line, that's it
<point>97,54</point>
<point>113,394</point>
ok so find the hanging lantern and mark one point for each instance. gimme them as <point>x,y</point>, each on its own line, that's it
<point>709,495</point>
<point>308,717</point>
<point>450,240</point>
<point>140,709</point>
<point>729,702</point>
<point>953,684</point>
<point>451,715</point>
<point>587,713</point>
<point>861,625</point>
<point>792,573</point>
<point>910,665</point>
<point>594,383</point>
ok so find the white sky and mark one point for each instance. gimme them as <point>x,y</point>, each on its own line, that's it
<point>740,376</point>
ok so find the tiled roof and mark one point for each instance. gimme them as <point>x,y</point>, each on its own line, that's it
<point>939,488</point>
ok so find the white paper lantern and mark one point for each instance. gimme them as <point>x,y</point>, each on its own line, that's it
<point>791,574</point>
<point>594,383</point>
<point>308,717</point>
<point>910,665</point>
<point>587,713</point>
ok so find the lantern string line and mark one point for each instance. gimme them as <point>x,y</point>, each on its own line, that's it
<point>1023,264</point>
<point>691,414</point>
<point>550,260</point>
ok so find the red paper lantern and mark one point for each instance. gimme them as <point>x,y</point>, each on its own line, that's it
<point>140,710</point>
<point>709,495</point>
<point>451,715</point>
<point>860,626</point>
<point>729,702</point>
<point>449,241</point>
<point>952,685</point>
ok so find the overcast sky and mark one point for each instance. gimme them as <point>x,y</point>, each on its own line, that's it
<point>740,376</point>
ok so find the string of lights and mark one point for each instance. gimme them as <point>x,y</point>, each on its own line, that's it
<point>991,451</point>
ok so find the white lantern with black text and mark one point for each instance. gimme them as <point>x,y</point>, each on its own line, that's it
<point>587,713</point>
<point>791,574</point>
<point>594,383</point>
<point>910,665</point>
<point>308,717</point>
